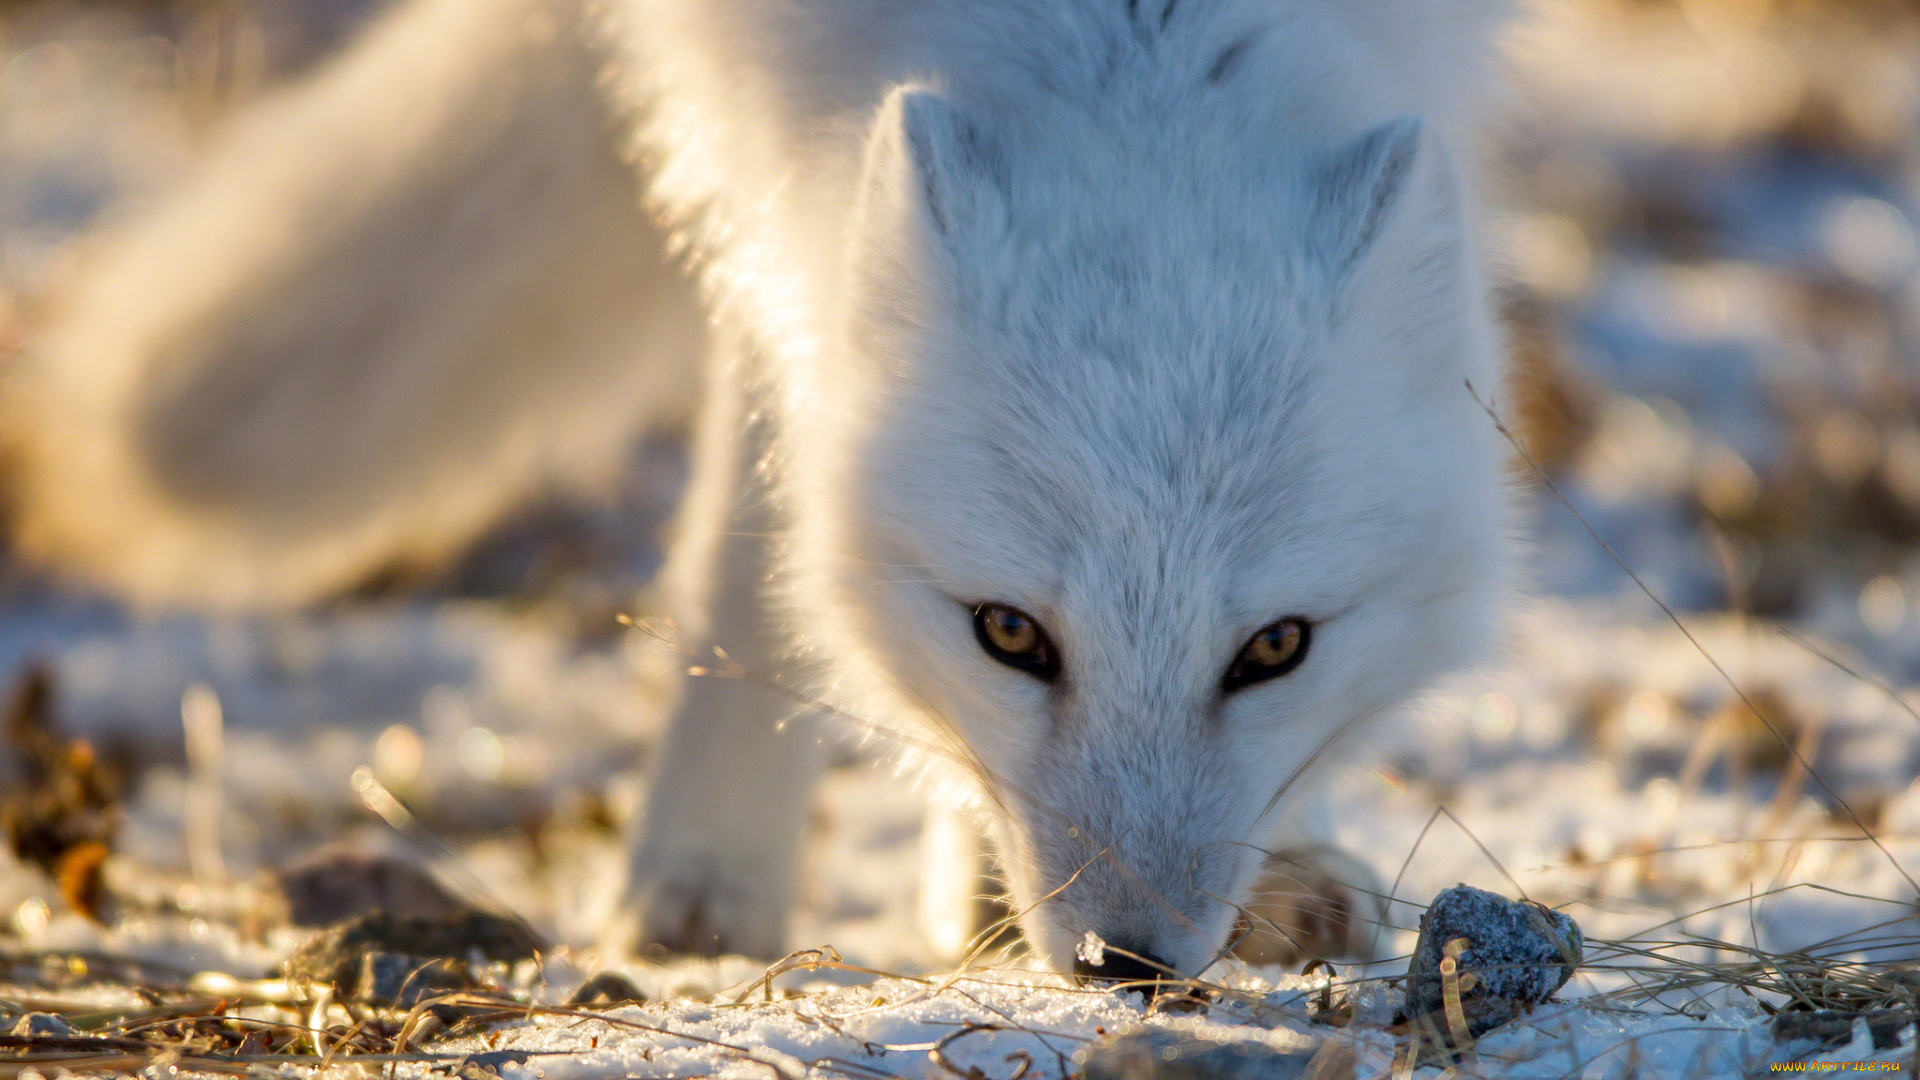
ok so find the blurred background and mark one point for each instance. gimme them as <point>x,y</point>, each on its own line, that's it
<point>1708,209</point>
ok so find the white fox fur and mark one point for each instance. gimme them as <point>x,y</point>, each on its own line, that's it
<point>1150,318</point>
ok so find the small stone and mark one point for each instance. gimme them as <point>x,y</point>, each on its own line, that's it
<point>1832,1027</point>
<point>39,1025</point>
<point>385,958</point>
<point>335,884</point>
<point>1198,1051</point>
<point>406,981</point>
<point>1514,954</point>
<point>608,988</point>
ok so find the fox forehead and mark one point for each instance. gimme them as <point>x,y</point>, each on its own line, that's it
<point>1280,458</point>
<point>1118,502</point>
<point>1310,526</point>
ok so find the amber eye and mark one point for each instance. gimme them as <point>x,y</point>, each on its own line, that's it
<point>1012,637</point>
<point>1274,651</point>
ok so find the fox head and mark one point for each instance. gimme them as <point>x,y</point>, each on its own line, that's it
<point>1166,478</point>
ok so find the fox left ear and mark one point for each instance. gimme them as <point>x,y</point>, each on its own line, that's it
<point>1354,192</point>
<point>929,189</point>
<point>928,161</point>
<point>919,193</point>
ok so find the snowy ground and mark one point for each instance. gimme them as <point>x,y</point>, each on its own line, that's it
<point>1712,209</point>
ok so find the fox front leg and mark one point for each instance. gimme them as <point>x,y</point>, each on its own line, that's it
<point>713,854</point>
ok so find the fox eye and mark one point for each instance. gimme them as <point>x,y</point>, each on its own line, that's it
<point>1276,650</point>
<point>1012,637</point>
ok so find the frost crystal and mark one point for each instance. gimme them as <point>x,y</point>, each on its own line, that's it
<point>1092,950</point>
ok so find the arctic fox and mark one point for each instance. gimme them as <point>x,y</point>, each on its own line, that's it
<point>1085,398</point>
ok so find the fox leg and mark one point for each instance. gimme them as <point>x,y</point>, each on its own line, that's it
<point>964,912</point>
<point>1314,902</point>
<point>713,855</point>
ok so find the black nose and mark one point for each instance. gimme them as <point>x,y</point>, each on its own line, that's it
<point>1124,965</point>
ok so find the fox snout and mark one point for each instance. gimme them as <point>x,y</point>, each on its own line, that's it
<point>1120,964</point>
<point>1142,890</point>
<point>1121,922</point>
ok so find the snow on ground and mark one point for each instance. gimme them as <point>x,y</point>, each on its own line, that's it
<point>1711,224</point>
<point>887,1029</point>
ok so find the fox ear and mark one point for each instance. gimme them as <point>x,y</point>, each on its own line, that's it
<point>1355,190</point>
<point>928,159</point>
<point>929,190</point>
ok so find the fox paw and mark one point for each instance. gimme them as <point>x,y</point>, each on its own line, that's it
<point>1312,904</point>
<point>700,912</point>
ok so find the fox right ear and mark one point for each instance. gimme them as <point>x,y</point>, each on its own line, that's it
<point>1357,188</point>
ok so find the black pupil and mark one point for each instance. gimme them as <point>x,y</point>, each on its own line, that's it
<point>1013,630</point>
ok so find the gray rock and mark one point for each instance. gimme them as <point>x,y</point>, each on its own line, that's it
<point>1516,954</point>
<point>39,1025</point>
<point>1191,1051</point>
<point>405,981</point>
<point>607,988</point>
<point>380,959</point>
<point>336,884</point>
<point>1834,1027</point>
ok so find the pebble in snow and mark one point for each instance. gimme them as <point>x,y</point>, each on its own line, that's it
<point>1190,1052</point>
<point>1515,955</point>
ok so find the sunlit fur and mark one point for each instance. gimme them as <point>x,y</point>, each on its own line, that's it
<point>1151,318</point>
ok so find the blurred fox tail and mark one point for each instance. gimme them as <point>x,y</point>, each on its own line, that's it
<point>393,298</point>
